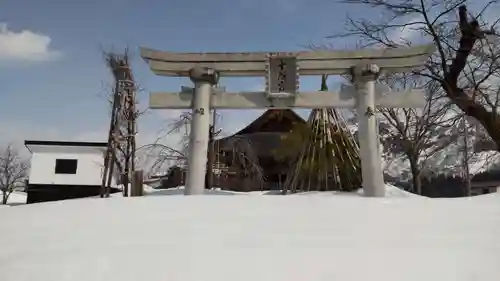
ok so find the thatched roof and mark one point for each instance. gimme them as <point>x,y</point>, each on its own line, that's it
<point>273,120</point>
<point>264,143</point>
<point>264,133</point>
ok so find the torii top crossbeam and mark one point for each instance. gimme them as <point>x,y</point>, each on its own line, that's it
<point>308,62</point>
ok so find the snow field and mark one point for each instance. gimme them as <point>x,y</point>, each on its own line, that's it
<point>265,238</point>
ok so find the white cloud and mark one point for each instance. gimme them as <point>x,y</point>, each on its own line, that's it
<point>414,34</point>
<point>25,45</point>
<point>16,132</point>
<point>410,32</point>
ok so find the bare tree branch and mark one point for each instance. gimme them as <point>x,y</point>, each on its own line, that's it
<point>415,133</point>
<point>237,152</point>
<point>466,64</point>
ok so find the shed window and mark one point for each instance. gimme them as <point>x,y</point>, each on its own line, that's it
<point>66,166</point>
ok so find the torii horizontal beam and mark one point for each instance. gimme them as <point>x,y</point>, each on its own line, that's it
<point>346,98</point>
<point>390,60</point>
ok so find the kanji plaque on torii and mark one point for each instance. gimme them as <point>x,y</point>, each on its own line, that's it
<point>282,76</point>
<point>282,72</point>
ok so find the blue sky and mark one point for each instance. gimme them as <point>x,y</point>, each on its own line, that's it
<point>53,77</point>
<point>62,95</point>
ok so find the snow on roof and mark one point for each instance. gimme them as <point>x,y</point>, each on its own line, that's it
<point>65,143</point>
<point>265,238</point>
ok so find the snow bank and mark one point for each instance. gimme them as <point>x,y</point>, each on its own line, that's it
<point>391,191</point>
<point>394,191</point>
<point>249,238</point>
<point>180,191</point>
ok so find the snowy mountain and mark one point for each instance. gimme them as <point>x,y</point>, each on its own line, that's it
<point>445,151</point>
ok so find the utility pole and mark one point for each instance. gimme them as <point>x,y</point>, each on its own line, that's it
<point>465,158</point>
<point>129,118</point>
<point>110,155</point>
<point>209,176</point>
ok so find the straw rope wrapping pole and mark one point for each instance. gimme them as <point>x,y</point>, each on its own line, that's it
<point>329,156</point>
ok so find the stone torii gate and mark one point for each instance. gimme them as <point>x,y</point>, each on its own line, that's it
<point>281,71</point>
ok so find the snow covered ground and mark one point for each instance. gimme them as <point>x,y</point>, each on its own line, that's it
<point>15,198</point>
<point>264,238</point>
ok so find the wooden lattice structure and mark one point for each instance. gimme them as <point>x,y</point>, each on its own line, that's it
<point>120,154</point>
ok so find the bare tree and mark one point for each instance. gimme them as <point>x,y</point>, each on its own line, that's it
<point>243,160</point>
<point>242,155</point>
<point>163,154</point>
<point>13,171</point>
<point>418,134</point>
<point>465,66</point>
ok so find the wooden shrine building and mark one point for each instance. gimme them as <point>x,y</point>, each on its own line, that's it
<point>281,151</point>
<point>259,142</point>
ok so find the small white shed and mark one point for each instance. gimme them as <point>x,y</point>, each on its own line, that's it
<point>64,169</point>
